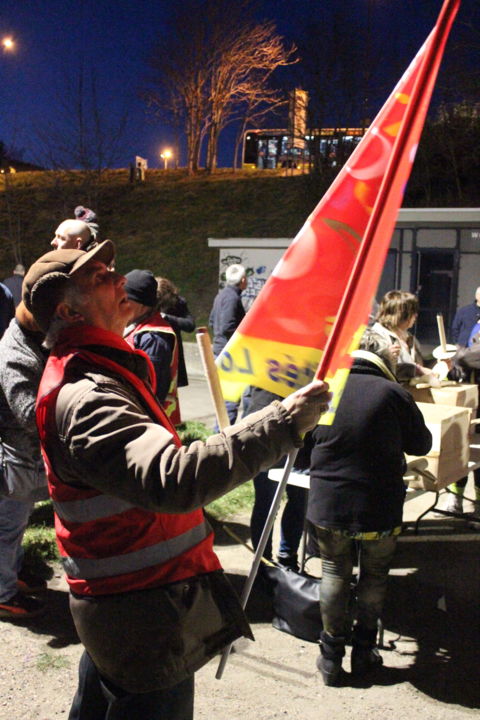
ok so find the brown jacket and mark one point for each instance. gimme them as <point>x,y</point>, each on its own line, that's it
<point>154,638</point>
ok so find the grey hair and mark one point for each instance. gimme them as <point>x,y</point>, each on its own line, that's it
<point>76,297</point>
<point>53,332</point>
<point>379,345</point>
<point>234,274</point>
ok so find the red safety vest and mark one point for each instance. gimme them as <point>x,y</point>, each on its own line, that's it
<point>108,545</point>
<point>156,323</point>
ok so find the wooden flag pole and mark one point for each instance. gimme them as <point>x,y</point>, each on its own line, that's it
<point>443,352</point>
<point>441,332</point>
<point>210,369</point>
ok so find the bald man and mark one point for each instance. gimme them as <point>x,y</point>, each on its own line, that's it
<point>72,235</point>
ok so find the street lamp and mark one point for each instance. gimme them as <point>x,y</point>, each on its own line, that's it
<point>8,44</point>
<point>166,155</point>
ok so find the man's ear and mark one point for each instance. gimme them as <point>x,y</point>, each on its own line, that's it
<point>66,312</point>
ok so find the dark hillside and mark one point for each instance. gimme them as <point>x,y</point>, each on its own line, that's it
<point>162,225</point>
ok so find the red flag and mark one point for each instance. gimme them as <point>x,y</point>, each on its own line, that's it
<point>316,285</point>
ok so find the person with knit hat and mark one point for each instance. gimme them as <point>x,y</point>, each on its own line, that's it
<point>150,332</point>
<point>148,597</point>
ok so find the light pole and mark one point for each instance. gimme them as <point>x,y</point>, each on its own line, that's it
<point>166,155</point>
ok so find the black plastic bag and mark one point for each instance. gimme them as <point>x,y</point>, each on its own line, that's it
<point>296,602</point>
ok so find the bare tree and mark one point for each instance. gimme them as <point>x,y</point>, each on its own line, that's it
<point>243,64</point>
<point>221,66</point>
<point>83,134</point>
<point>178,85</point>
<point>447,166</point>
<point>11,221</point>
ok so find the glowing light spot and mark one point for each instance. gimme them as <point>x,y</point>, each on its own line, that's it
<point>361,192</point>
<point>392,130</point>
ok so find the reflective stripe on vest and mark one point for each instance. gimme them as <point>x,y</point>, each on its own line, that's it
<point>121,547</point>
<point>94,508</point>
<point>89,568</point>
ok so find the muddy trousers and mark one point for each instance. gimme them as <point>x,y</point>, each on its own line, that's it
<point>374,560</point>
<point>97,699</point>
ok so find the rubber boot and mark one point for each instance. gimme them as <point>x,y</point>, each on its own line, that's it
<point>365,655</point>
<point>329,662</point>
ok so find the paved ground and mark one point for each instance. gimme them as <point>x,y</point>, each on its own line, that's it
<point>195,401</point>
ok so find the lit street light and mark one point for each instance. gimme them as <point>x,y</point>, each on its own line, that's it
<point>166,155</point>
<point>8,44</point>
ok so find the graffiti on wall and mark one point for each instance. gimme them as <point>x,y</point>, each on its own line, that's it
<point>258,262</point>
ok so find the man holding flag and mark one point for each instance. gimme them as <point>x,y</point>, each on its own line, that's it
<point>148,596</point>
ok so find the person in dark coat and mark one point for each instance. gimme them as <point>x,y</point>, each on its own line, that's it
<point>293,515</point>
<point>226,315</point>
<point>465,318</point>
<point>173,307</point>
<point>356,499</point>
<point>14,283</point>
<point>228,311</point>
<point>149,332</point>
<point>7,308</point>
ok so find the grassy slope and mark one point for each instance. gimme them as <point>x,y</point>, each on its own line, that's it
<point>162,225</point>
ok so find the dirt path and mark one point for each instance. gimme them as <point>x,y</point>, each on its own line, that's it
<point>431,661</point>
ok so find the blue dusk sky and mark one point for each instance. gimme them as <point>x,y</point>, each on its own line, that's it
<point>54,39</point>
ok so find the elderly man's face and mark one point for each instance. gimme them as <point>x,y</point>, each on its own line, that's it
<point>104,304</point>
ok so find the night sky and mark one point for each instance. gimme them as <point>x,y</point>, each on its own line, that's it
<point>113,38</point>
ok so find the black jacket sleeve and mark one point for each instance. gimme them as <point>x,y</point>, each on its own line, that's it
<point>180,317</point>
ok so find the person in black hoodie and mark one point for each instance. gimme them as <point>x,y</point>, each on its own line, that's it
<point>174,310</point>
<point>356,500</point>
